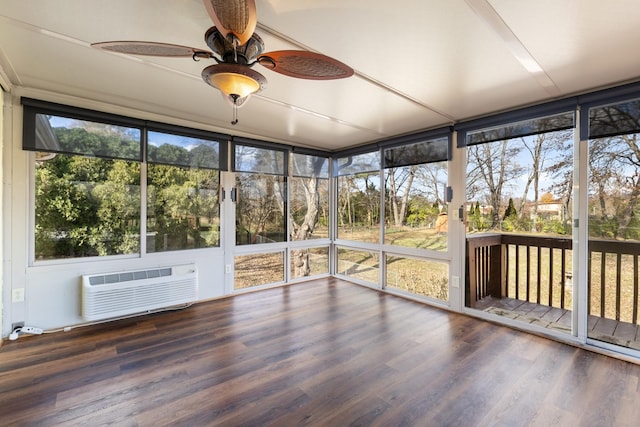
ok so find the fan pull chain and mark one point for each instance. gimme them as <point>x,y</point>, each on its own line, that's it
<point>235,109</point>
<point>235,115</point>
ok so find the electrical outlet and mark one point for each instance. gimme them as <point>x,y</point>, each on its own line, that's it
<point>31,330</point>
<point>17,295</point>
<point>16,325</point>
<point>227,268</point>
<point>455,281</point>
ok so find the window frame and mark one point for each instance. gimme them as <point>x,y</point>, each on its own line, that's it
<point>34,107</point>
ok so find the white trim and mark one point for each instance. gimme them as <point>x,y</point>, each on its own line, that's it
<point>580,235</point>
<point>457,228</point>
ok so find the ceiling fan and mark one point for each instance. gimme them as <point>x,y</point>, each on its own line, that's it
<point>236,48</point>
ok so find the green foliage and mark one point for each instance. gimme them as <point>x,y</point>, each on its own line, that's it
<point>632,231</point>
<point>510,219</point>
<point>604,227</point>
<point>98,142</point>
<point>91,206</point>
<point>510,213</point>
<point>86,207</point>
<point>556,227</point>
<point>182,207</point>
<point>421,212</point>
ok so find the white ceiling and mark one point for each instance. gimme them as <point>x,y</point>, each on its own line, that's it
<point>419,64</point>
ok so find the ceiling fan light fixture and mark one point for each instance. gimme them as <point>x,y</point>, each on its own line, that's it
<point>234,80</point>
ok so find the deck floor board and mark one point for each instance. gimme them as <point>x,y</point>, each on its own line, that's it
<point>608,330</point>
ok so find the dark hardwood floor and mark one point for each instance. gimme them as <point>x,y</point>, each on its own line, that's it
<point>326,353</point>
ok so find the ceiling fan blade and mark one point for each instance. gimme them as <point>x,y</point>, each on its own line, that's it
<point>233,17</point>
<point>305,65</point>
<point>151,49</point>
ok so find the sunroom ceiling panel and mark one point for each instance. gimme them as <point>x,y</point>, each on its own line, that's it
<point>582,44</point>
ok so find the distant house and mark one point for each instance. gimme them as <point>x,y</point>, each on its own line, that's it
<point>551,210</point>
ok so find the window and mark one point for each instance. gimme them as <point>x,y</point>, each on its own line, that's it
<point>359,264</point>
<point>418,277</point>
<point>261,194</point>
<point>85,206</point>
<point>309,261</point>
<point>415,180</point>
<point>88,185</point>
<point>522,183</point>
<point>182,192</point>
<point>519,209</point>
<point>614,224</point>
<point>309,197</point>
<point>358,184</point>
<point>258,269</point>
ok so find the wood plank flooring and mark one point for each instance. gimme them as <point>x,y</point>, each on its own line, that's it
<point>320,353</point>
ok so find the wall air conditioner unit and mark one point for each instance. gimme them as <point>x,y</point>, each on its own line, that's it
<point>111,295</point>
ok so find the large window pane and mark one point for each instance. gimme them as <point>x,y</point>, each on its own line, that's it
<point>521,185</point>
<point>309,208</point>
<point>86,207</point>
<point>260,208</point>
<point>415,209</point>
<point>359,207</point>
<point>182,208</point>
<point>258,269</point>
<point>358,185</point>
<point>309,197</point>
<point>419,277</point>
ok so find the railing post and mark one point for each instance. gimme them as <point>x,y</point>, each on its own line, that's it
<point>471,281</point>
<point>497,283</point>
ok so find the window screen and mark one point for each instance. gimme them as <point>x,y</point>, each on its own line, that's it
<point>523,128</point>
<point>359,163</point>
<point>612,120</point>
<point>416,154</point>
<point>309,166</point>
<point>248,158</point>
<point>58,134</point>
<point>179,150</point>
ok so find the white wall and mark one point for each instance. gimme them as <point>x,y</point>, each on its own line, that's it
<point>2,204</point>
<point>52,290</point>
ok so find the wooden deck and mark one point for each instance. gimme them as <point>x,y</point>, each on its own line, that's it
<point>320,353</point>
<point>602,329</point>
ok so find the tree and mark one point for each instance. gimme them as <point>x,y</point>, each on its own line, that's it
<point>546,198</point>
<point>510,212</point>
<point>304,213</point>
<point>400,181</point>
<point>614,181</point>
<point>491,166</point>
<point>535,147</point>
<point>510,218</point>
<point>560,170</point>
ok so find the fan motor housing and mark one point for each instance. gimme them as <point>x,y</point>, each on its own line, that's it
<point>243,54</point>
